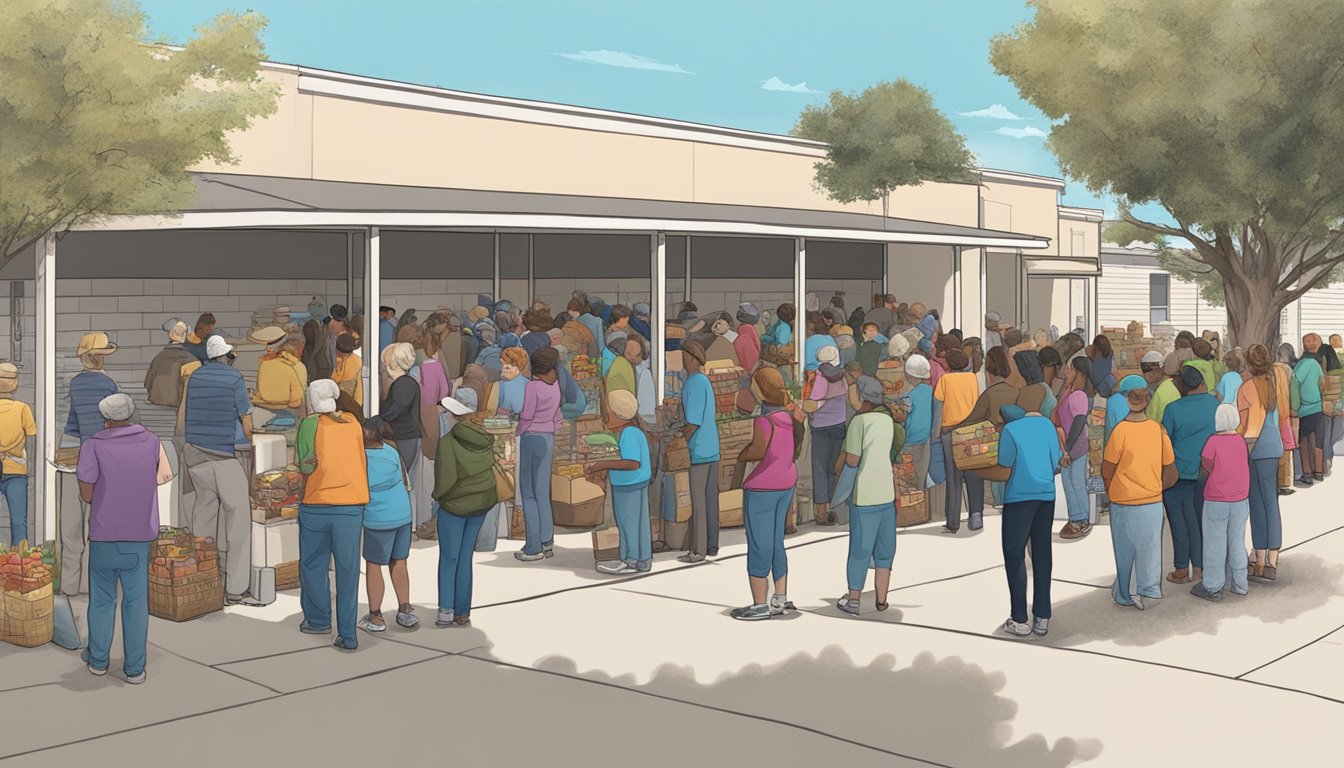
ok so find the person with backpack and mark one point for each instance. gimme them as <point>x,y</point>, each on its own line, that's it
<point>387,526</point>
<point>871,493</point>
<point>630,475</point>
<point>466,486</point>
<point>776,441</point>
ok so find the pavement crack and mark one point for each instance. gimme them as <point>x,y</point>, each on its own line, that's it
<point>1290,653</point>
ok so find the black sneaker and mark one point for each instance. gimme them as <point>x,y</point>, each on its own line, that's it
<point>1199,591</point>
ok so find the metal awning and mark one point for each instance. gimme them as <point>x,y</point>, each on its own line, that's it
<point>1050,266</point>
<point>238,201</point>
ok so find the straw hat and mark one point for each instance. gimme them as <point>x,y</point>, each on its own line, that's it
<point>96,343</point>
<point>267,336</point>
<point>9,378</point>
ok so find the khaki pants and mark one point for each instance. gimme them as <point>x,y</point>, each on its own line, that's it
<point>223,509</point>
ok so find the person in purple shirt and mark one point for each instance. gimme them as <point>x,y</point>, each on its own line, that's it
<point>826,404</point>
<point>537,425</point>
<point>119,472</point>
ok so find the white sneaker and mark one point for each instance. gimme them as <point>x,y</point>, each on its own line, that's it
<point>1040,627</point>
<point>1015,629</point>
<point>1138,602</point>
<point>779,604</point>
<point>136,679</point>
<point>444,619</point>
<point>615,567</point>
<point>367,624</point>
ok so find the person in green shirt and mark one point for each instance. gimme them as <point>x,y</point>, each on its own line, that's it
<point>1167,392</point>
<point>621,374</point>
<point>1307,373</point>
<point>1204,363</point>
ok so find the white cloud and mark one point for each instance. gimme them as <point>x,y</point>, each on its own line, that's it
<point>995,111</point>
<point>775,84</point>
<point>1022,133</point>
<point>624,60</point>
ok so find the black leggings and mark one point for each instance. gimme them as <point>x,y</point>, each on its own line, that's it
<point>1310,438</point>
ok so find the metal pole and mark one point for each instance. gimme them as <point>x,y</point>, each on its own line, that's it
<point>687,291</point>
<point>495,286</point>
<point>350,274</point>
<point>531,272</point>
<point>372,301</point>
<point>48,430</point>
<point>955,315</point>
<point>799,302</point>
<point>658,270</point>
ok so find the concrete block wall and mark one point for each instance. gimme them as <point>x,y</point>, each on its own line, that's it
<point>424,296</point>
<point>626,290</point>
<point>132,312</point>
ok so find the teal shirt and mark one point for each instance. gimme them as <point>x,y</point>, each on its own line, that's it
<point>634,446</point>
<point>1308,374</point>
<point>1189,424</point>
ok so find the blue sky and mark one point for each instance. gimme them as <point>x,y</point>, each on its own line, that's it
<point>739,63</point>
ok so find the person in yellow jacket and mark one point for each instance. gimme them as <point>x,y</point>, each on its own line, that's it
<point>349,368</point>
<point>281,377</point>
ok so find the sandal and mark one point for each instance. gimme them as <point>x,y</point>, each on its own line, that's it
<point>1269,572</point>
<point>883,606</point>
<point>1180,576</point>
<point>461,621</point>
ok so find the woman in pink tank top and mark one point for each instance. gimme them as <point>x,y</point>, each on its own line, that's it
<point>768,492</point>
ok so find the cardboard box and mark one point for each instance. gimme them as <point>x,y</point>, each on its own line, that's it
<point>681,483</point>
<point>607,545</point>
<point>574,490</point>
<point>730,509</point>
<point>275,543</point>
<point>975,446</point>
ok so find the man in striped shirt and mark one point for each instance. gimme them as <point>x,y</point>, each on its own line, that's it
<point>217,458</point>
<point>87,390</point>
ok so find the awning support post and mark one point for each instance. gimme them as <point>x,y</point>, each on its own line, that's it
<point>373,299</point>
<point>494,296</point>
<point>799,301</point>
<point>657,328</point>
<point>48,429</point>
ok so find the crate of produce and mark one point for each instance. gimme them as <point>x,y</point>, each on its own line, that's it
<point>576,502</point>
<point>26,600</point>
<point>975,446</point>
<point>287,575</point>
<point>274,490</point>
<point>915,511</point>
<point>186,597</point>
<point>730,509</point>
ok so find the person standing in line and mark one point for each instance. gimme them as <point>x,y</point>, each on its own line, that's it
<point>1204,362</point>
<point>630,474</point>
<point>349,368</point>
<point>330,453</point>
<point>1229,385</point>
<point>1103,365</point>
<point>620,375</point>
<point>818,339</point>
<point>1029,458</point>
<point>1290,464</point>
<point>1072,418</point>
<point>992,336</point>
<point>871,351</point>
<point>16,426</point>
<point>919,416</point>
<point>512,381</point>
<point>196,340</point>
<point>387,527</point>
<point>119,472</point>
<point>748,342</point>
<point>702,439</point>
<point>400,408</point>
<point>954,397</point>
<point>281,377</point>
<point>465,490</point>
<point>987,406</point>
<point>217,458</point>
<point>387,327</point>
<point>315,356</point>
<point>1189,423</point>
<point>872,500</point>
<point>1226,508</point>
<point>163,380</point>
<point>335,326</point>
<point>1262,406</point>
<point>537,425</point>
<point>776,441</point>
<point>1310,437</point>
<point>826,404</point>
<point>1137,465</point>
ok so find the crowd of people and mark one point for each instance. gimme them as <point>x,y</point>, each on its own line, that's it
<point>1205,440</point>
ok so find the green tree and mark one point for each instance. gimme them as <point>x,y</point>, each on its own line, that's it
<point>1173,256</point>
<point>890,135</point>
<point>94,120</point>
<point>1227,115</point>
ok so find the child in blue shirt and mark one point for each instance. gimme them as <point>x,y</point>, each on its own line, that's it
<point>630,475</point>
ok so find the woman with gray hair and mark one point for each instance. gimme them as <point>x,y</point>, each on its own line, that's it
<point>330,453</point>
<point>400,408</point>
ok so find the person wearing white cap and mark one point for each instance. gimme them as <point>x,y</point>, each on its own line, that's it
<point>992,337</point>
<point>1227,507</point>
<point>120,469</point>
<point>919,415</point>
<point>630,474</point>
<point>163,380</point>
<point>465,489</point>
<point>218,459</point>
<point>329,451</point>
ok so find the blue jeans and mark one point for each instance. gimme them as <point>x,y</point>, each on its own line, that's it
<point>1074,478</point>
<point>1028,522</point>
<point>1224,545</point>
<point>125,563</point>
<point>996,492</point>
<point>827,445</point>
<point>534,478</point>
<point>1136,537</point>
<point>1183,502</point>
<point>630,504</point>
<point>457,542</point>
<point>15,489</point>
<point>1266,522</point>
<point>764,514</point>
<point>327,532</point>
<point>872,539</point>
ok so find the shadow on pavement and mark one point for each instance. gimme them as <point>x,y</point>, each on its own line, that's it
<point>943,710</point>
<point>1305,583</point>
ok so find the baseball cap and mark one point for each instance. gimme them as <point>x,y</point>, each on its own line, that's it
<point>1191,377</point>
<point>1130,383</point>
<point>216,346</point>
<point>870,390</point>
<point>828,354</point>
<point>1151,357</point>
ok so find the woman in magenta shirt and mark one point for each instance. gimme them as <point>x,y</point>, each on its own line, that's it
<point>1226,507</point>
<point>537,425</point>
<point>767,493</point>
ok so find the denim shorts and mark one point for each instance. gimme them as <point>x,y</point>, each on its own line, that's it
<point>382,547</point>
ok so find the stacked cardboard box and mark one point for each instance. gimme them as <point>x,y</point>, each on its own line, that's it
<point>1096,434</point>
<point>730,509</point>
<point>975,446</point>
<point>734,435</point>
<point>576,502</point>
<point>184,580</point>
<point>911,503</point>
<point>726,382</point>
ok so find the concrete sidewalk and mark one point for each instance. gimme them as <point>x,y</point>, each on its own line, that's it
<point>570,668</point>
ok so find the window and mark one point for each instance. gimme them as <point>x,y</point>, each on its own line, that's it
<point>1159,299</point>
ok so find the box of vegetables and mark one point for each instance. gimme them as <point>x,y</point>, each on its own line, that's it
<point>26,602</point>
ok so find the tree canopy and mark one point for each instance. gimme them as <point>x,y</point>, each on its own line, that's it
<point>1228,115</point>
<point>96,120</point>
<point>890,135</point>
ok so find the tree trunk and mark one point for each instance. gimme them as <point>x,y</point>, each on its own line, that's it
<point>1253,316</point>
